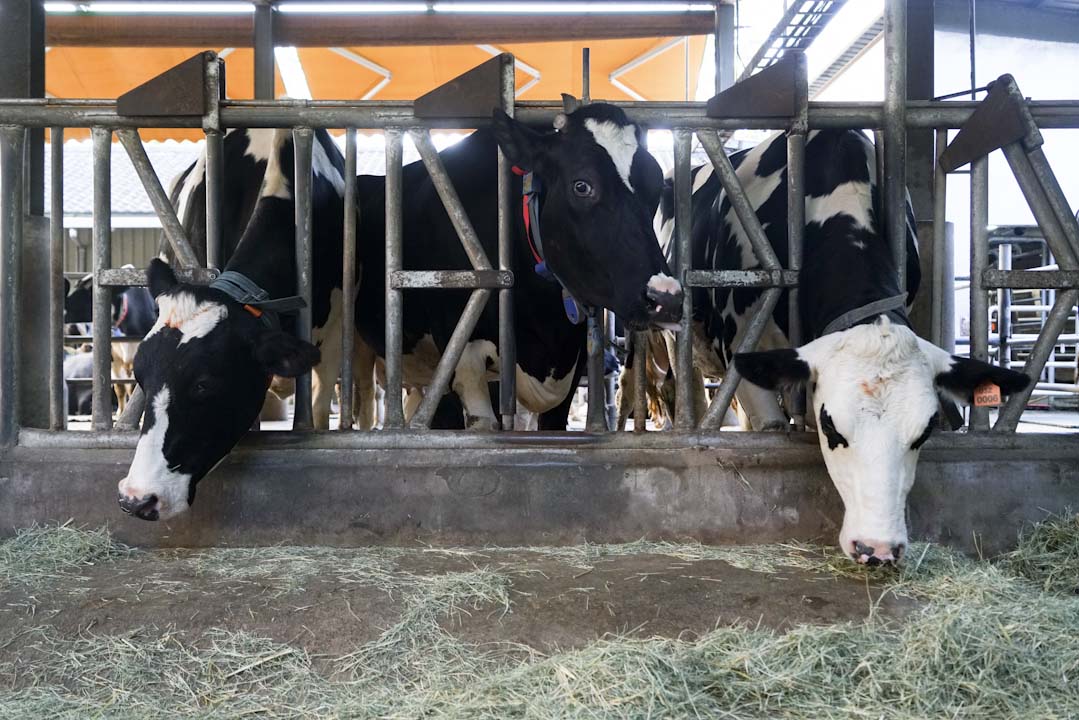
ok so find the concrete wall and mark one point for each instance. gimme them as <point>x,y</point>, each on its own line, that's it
<point>535,489</point>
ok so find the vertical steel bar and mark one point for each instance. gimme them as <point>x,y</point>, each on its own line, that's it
<point>214,198</point>
<point>264,51</point>
<point>940,196</point>
<point>12,148</point>
<point>724,44</point>
<point>302,139</point>
<point>1004,308</point>
<point>586,75</point>
<point>796,213</point>
<point>684,404</point>
<point>972,36</point>
<point>102,296</point>
<point>979,260</point>
<point>395,414</point>
<point>348,282</point>
<point>610,385</point>
<point>640,381</point>
<point>1057,226</point>
<point>507,336</point>
<point>597,418</point>
<point>57,414</point>
<point>895,132</point>
<point>1069,223</point>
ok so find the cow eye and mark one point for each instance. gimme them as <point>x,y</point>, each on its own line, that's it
<point>203,388</point>
<point>925,433</point>
<point>828,428</point>
<point>582,188</point>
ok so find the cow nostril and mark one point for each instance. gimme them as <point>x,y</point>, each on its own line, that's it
<point>873,561</point>
<point>141,507</point>
<point>862,549</point>
<point>897,551</point>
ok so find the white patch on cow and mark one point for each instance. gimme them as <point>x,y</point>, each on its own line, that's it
<point>876,384</point>
<point>540,396</point>
<point>664,284</point>
<point>470,383</point>
<point>274,182</point>
<point>327,339</point>
<point>262,143</point>
<point>620,142</point>
<point>702,177</point>
<point>149,473</point>
<point>192,181</point>
<point>323,167</point>
<point>182,311</point>
<point>854,199</point>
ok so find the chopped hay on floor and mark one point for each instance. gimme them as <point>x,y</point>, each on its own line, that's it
<point>43,553</point>
<point>989,640</point>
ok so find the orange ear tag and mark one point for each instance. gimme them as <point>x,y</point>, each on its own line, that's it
<point>987,395</point>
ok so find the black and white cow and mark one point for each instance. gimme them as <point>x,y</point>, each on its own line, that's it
<point>207,362</point>
<point>599,190</point>
<point>873,382</point>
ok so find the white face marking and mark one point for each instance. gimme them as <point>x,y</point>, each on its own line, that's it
<point>620,142</point>
<point>664,284</point>
<point>150,474</point>
<point>184,313</point>
<point>876,385</point>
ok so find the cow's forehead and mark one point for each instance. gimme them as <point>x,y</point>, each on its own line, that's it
<point>620,143</point>
<point>193,317</point>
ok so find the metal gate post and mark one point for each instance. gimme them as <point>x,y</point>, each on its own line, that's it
<point>348,282</point>
<point>640,380</point>
<point>979,260</point>
<point>940,195</point>
<point>684,414</point>
<point>597,404</point>
<point>395,414</point>
<point>215,170</point>
<point>102,298</point>
<point>895,132</point>
<point>57,411</point>
<point>507,336</point>
<point>302,139</point>
<point>12,147</point>
<point>796,222</point>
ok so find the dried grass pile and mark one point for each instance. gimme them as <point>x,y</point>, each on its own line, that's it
<point>988,640</point>
<point>39,554</point>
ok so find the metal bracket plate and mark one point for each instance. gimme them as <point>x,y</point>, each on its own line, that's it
<point>179,91</point>
<point>469,96</point>
<point>996,122</point>
<point>773,92</point>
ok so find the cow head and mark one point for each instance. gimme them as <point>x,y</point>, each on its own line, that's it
<point>204,368</point>
<point>601,189</point>
<point>874,391</point>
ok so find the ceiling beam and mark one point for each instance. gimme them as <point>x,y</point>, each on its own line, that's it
<point>303,30</point>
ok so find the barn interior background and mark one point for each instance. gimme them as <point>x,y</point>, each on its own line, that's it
<point>662,61</point>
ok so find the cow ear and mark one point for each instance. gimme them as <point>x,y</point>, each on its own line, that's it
<point>282,354</point>
<point>773,369</point>
<point>957,377</point>
<point>570,104</point>
<point>520,144</point>
<point>161,277</point>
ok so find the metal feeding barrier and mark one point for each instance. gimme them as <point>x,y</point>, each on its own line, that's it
<point>192,96</point>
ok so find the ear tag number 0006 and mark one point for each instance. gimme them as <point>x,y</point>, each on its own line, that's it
<point>987,395</point>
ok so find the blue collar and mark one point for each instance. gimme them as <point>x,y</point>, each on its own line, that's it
<point>530,207</point>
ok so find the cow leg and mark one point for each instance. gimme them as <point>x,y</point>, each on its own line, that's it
<point>324,375</point>
<point>413,398</point>
<point>625,397</point>
<point>470,384</point>
<point>450,413</point>
<point>363,385</point>
<point>557,418</point>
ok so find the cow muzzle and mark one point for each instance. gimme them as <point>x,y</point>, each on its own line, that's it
<point>876,552</point>
<point>145,508</point>
<point>663,296</point>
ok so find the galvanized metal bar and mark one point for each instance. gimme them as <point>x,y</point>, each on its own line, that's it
<point>102,295</point>
<point>215,177</point>
<point>586,75</point>
<point>1055,195</point>
<point>330,114</point>
<point>57,411</point>
<point>796,212</point>
<point>741,278</point>
<point>507,335</point>
<point>717,409</point>
<point>684,420</point>
<point>170,224</point>
<point>451,355</point>
<point>1004,304</point>
<point>728,178</point>
<point>895,132</point>
<point>444,186</point>
<point>979,260</point>
<point>303,141</point>
<point>993,279</point>
<point>610,385</point>
<point>1045,211</point>
<point>724,45</point>
<point>395,414</point>
<point>264,51</point>
<point>940,197</point>
<point>131,417</point>
<point>450,279</point>
<point>12,149</point>
<point>136,277</point>
<point>348,282</point>
<point>1058,317</point>
<point>640,381</point>
<point>596,420</point>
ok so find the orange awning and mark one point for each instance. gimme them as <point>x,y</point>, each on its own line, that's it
<point>340,74</point>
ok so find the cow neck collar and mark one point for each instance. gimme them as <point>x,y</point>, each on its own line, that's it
<point>530,210</point>
<point>893,306</point>
<point>254,299</point>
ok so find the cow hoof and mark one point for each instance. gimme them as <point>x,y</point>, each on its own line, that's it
<point>480,424</point>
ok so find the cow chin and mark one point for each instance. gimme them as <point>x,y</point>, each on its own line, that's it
<point>874,528</point>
